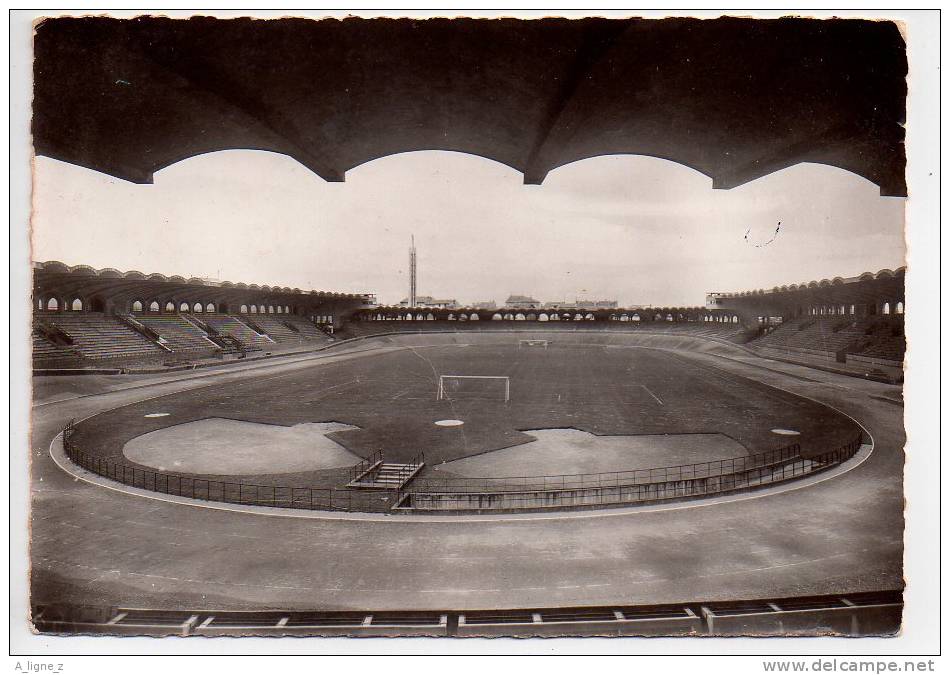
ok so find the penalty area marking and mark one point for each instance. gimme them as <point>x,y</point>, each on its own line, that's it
<point>449,423</point>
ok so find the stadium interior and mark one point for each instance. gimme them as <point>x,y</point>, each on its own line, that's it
<point>222,458</point>
<point>86,318</point>
<point>354,425</point>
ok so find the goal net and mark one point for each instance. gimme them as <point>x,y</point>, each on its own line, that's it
<point>490,387</point>
<point>533,343</point>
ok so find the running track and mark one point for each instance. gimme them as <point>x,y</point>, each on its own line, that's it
<point>98,546</point>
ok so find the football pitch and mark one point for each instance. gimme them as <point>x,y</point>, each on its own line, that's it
<point>674,410</point>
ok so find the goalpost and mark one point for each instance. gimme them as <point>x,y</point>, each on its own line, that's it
<point>473,386</point>
<point>533,343</point>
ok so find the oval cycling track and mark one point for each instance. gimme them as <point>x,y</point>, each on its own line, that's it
<point>97,546</point>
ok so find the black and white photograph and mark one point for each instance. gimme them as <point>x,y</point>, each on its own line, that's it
<point>525,326</point>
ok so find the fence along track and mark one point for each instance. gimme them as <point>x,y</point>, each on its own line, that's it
<point>487,494</point>
<point>608,478</point>
<point>206,489</point>
<point>620,495</point>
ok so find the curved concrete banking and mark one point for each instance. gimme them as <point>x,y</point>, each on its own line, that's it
<point>839,535</point>
<point>62,461</point>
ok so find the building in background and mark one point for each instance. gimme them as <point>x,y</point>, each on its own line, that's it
<point>582,304</point>
<point>430,302</point>
<point>713,300</point>
<point>522,302</point>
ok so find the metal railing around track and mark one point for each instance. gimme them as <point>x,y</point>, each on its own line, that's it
<point>460,494</point>
<point>209,489</point>
<point>479,498</point>
<point>608,478</point>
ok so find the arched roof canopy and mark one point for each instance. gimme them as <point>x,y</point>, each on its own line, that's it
<point>129,97</point>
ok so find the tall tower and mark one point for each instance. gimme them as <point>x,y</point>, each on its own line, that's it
<point>412,272</point>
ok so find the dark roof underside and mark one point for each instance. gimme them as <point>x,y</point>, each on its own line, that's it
<point>733,98</point>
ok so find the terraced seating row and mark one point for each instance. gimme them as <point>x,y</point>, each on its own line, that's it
<point>44,349</point>
<point>888,347</point>
<point>98,336</point>
<point>276,329</point>
<point>235,328</point>
<point>867,338</point>
<point>306,328</point>
<point>177,331</point>
<point>828,335</point>
<point>95,335</point>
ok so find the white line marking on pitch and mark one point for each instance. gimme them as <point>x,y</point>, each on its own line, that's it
<point>323,393</point>
<point>655,397</point>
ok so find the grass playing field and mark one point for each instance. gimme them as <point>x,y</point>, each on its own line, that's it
<point>579,382</point>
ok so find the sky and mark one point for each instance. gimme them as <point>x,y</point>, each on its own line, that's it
<point>639,230</point>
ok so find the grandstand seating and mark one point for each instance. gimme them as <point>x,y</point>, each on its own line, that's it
<point>276,328</point>
<point>888,347</point>
<point>44,349</point>
<point>66,339</point>
<point>288,328</point>
<point>868,337</point>
<point>177,331</point>
<point>98,336</point>
<point>235,328</point>
<point>305,328</point>
<point>824,334</point>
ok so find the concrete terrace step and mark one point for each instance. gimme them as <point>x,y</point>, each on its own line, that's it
<point>386,476</point>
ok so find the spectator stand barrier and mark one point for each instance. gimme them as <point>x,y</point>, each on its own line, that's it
<point>483,494</point>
